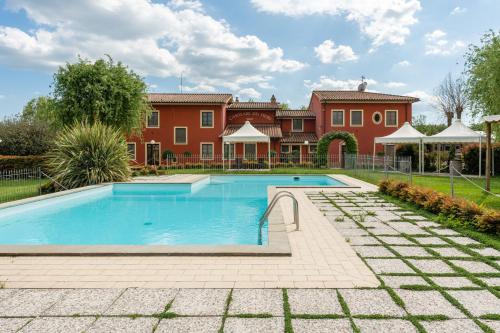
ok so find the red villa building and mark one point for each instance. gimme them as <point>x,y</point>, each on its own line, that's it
<point>194,124</point>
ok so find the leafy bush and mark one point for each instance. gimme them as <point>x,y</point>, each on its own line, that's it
<point>471,158</point>
<point>409,150</point>
<point>24,138</point>
<point>187,154</point>
<point>21,162</point>
<point>463,211</point>
<point>349,139</point>
<point>89,154</point>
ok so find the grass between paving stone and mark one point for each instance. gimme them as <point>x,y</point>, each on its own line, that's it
<point>347,312</point>
<point>226,310</point>
<point>287,313</point>
<point>423,275</point>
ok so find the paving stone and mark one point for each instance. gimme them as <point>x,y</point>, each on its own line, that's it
<point>453,282</point>
<point>449,252</point>
<point>321,325</point>
<point>488,252</point>
<point>478,302</point>
<point>200,302</point>
<point>430,241</point>
<point>380,266</point>
<point>444,232</point>
<point>427,224</point>
<point>463,240</point>
<point>6,293</point>
<point>411,251</point>
<point>492,281</point>
<point>407,228</point>
<point>84,302</point>
<point>352,232</point>
<point>370,302</point>
<point>123,325</point>
<point>414,217</point>
<point>373,251</point>
<point>398,281</point>
<point>11,325</point>
<point>251,325</point>
<point>190,324</point>
<point>418,303</point>
<point>342,222</point>
<point>142,301</point>
<point>30,302</point>
<point>384,325</point>
<point>257,301</point>
<point>381,229</point>
<point>314,301</point>
<point>475,266</point>
<point>451,326</point>
<point>58,324</point>
<point>493,324</point>
<point>431,266</point>
<point>367,240</point>
<point>395,240</point>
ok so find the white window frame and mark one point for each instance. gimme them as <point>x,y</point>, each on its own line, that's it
<point>373,117</point>
<point>309,147</point>
<point>135,150</point>
<point>285,152</point>
<point>301,127</point>
<point>201,118</point>
<point>385,120</point>
<point>201,151</point>
<point>147,120</point>
<point>244,149</point>
<point>175,136</point>
<point>362,117</point>
<point>343,117</point>
<point>229,158</point>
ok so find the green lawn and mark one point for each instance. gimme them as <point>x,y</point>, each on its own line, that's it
<point>14,190</point>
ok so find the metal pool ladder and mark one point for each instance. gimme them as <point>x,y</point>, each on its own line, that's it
<point>277,196</point>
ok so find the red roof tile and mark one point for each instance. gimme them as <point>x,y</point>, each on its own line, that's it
<point>299,137</point>
<point>295,114</point>
<point>271,130</point>
<point>357,96</point>
<point>253,105</point>
<point>160,98</point>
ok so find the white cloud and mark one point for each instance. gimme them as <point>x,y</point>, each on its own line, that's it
<point>265,85</point>
<point>438,44</point>
<point>383,21</point>
<point>403,63</point>
<point>152,38</point>
<point>393,84</point>
<point>199,88</point>
<point>327,53</point>
<point>458,10</point>
<point>425,106</point>
<point>331,83</point>
<point>250,93</point>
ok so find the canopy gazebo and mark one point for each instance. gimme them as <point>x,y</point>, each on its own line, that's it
<point>456,133</point>
<point>246,134</point>
<point>489,120</point>
<point>405,134</point>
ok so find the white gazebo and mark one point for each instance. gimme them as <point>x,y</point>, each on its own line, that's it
<point>457,133</point>
<point>247,134</point>
<point>405,134</point>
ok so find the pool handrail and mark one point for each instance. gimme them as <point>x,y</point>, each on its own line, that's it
<point>277,196</point>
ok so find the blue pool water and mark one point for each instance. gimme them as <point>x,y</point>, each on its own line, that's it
<point>216,211</point>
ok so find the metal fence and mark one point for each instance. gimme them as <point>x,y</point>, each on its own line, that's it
<point>22,183</point>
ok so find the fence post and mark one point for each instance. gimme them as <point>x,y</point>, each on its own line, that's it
<point>411,175</point>
<point>385,167</point>
<point>451,183</point>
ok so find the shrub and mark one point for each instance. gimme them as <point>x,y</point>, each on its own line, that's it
<point>350,140</point>
<point>187,154</point>
<point>471,158</point>
<point>24,138</point>
<point>465,212</point>
<point>89,154</point>
<point>21,162</point>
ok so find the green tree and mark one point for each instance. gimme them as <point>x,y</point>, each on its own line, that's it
<point>420,124</point>
<point>284,106</point>
<point>40,109</point>
<point>102,91</point>
<point>21,137</point>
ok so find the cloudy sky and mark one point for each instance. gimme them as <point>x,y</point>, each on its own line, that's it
<point>251,48</point>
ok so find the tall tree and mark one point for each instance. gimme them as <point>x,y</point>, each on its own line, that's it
<point>451,98</point>
<point>39,109</point>
<point>102,91</point>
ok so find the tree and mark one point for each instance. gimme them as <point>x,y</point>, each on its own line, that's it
<point>40,109</point>
<point>420,124</point>
<point>101,91</point>
<point>284,106</point>
<point>451,98</point>
<point>21,137</point>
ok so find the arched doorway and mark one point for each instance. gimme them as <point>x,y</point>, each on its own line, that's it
<point>351,145</point>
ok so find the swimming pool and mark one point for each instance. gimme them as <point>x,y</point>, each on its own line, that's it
<point>219,210</point>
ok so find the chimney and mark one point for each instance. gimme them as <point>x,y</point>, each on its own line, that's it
<point>273,99</point>
<point>237,99</point>
<point>362,85</point>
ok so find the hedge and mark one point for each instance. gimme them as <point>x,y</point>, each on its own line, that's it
<point>465,212</point>
<point>8,162</point>
<point>471,159</point>
<point>351,145</point>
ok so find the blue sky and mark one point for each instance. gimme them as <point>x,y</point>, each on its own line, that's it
<point>251,48</point>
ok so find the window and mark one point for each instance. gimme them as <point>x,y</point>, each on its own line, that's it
<point>131,150</point>
<point>207,119</point>
<point>180,135</point>
<point>229,151</point>
<point>391,118</point>
<point>337,117</point>
<point>285,149</point>
<point>207,151</point>
<point>250,150</point>
<point>356,118</point>
<point>297,125</point>
<point>154,120</point>
<point>377,118</point>
<point>312,149</point>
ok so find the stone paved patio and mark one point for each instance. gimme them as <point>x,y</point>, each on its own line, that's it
<point>442,284</point>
